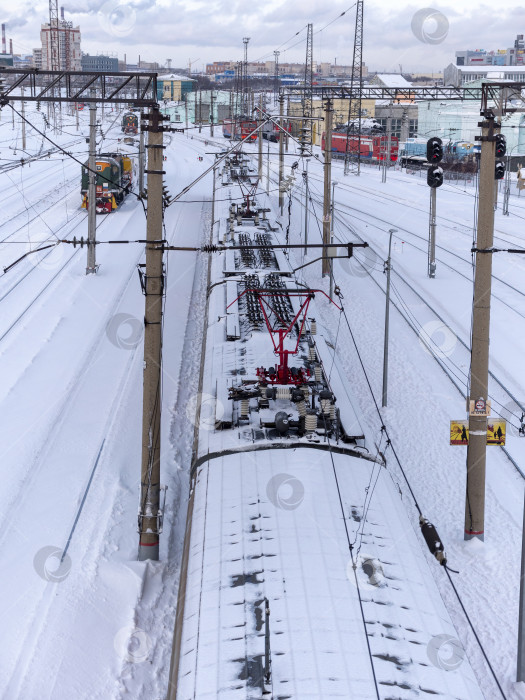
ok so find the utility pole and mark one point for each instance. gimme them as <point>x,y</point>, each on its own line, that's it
<point>76,114</point>
<point>281,154</point>
<point>432,234</point>
<point>334,183</point>
<point>141,155</point>
<point>386,157</point>
<point>268,167</point>
<point>276,73</point>
<point>150,510</point>
<point>260,140</point>
<point>212,118</point>
<point>388,267</point>
<point>92,266</point>
<point>354,106</point>
<point>506,192</point>
<point>521,624</point>
<point>327,181</point>
<point>23,120</point>
<point>200,111</point>
<point>479,365</point>
<point>305,175</point>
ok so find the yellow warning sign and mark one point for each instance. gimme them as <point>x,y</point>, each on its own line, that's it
<point>459,432</point>
<point>496,432</point>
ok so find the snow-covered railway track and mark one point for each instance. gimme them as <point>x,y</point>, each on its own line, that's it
<point>441,261</point>
<point>77,219</point>
<point>448,367</point>
<point>14,322</point>
<point>452,224</point>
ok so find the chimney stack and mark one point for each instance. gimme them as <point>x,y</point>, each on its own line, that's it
<point>11,46</point>
<point>3,39</point>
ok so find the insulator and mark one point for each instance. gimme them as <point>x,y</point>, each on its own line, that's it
<point>318,373</point>
<point>332,411</point>
<point>310,422</point>
<point>306,391</point>
<point>433,540</point>
<point>283,392</point>
<point>311,355</point>
<point>257,219</point>
<point>245,408</point>
<point>239,219</point>
<point>313,327</point>
<point>325,406</point>
<point>301,408</point>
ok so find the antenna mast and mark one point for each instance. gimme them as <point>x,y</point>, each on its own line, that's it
<point>354,106</point>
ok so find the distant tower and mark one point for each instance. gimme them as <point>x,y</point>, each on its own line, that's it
<point>276,73</point>
<point>3,39</point>
<point>54,41</point>
<point>245,107</point>
<point>354,105</point>
<point>168,61</point>
<point>308,87</point>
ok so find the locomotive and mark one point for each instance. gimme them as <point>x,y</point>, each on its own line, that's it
<point>238,129</point>
<point>130,123</point>
<point>372,148</point>
<point>114,179</point>
<point>270,130</point>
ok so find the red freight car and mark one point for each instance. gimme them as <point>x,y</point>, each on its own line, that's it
<point>373,148</point>
<point>238,129</point>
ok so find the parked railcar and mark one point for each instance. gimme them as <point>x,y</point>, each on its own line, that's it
<point>270,130</point>
<point>238,129</point>
<point>372,148</point>
<point>277,598</point>
<point>130,123</point>
<point>114,179</point>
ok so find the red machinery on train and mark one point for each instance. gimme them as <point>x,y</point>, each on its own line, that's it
<point>373,147</point>
<point>239,129</point>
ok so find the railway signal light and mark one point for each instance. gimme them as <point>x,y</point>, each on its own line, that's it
<point>499,170</point>
<point>501,145</point>
<point>434,150</point>
<point>435,177</point>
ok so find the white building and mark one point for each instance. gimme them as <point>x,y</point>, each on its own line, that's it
<point>457,120</point>
<point>70,55</point>
<point>460,75</point>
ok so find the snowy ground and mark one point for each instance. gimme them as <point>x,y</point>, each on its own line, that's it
<point>100,626</point>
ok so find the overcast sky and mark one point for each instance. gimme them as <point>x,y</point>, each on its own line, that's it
<point>417,36</point>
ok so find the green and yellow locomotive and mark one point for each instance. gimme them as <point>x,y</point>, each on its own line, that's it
<point>130,123</point>
<point>114,180</point>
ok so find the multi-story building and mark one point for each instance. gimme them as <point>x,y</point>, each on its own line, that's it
<point>69,54</point>
<point>106,64</point>
<point>37,58</point>
<point>459,75</point>
<point>513,56</point>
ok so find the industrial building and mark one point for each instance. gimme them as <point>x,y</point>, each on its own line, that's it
<point>106,64</point>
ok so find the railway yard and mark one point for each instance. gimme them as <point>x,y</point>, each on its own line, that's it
<point>100,624</point>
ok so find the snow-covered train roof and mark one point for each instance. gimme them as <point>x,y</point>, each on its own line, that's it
<point>294,510</point>
<point>269,525</point>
